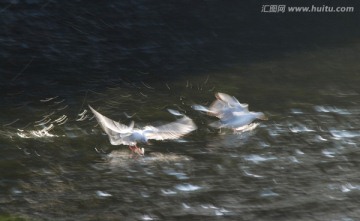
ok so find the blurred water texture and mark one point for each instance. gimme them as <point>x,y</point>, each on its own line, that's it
<point>134,59</point>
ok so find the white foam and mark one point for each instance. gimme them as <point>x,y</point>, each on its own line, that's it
<point>168,192</point>
<point>344,133</point>
<point>321,138</point>
<point>300,128</point>
<point>102,194</point>
<point>257,158</point>
<point>187,187</point>
<point>294,159</point>
<point>186,206</point>
<point>268,193</point>
<point>251,174</point>
<point>327,109</point>
<point>349,187</point>
<point>299,152</point>
<point>178,175</point>
<point>219,213</point>
<point>147,217</point>
<point>45,132</point>
<point>328,153</point>
<point>296,111</point>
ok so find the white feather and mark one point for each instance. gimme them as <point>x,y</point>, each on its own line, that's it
<point>128,135</point>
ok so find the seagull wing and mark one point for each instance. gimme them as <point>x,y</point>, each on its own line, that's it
<point>232,102</point>
<point>217,108</point>
<point>112,127</point>
<point>173,130</point>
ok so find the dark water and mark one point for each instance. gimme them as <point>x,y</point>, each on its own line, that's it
<point>135,59</point>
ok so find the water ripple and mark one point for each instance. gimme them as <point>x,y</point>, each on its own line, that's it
<point>327,109</point>
<point>258,158</point>
<point>187,187</point>
<point>338,134</point>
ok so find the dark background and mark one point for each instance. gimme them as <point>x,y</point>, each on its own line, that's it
<point>67,41</point>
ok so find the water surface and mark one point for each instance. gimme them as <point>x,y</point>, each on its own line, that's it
<point>57,164</point>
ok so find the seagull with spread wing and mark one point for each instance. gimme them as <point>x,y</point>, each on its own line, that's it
<point>230,111</point>
<point>121,134</point>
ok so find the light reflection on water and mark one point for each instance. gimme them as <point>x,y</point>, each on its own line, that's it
<point>303,162</point>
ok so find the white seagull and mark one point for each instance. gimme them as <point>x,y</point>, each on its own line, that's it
<point>230,111</point>
<point>121,134</point>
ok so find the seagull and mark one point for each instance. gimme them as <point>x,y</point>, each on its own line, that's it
<point>121,134</point>
<point>231,112</point>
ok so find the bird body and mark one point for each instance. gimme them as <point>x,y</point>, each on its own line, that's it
<point>231,113</point>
